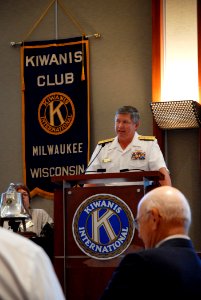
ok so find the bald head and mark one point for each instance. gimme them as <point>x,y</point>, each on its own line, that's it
<point>170,208</point>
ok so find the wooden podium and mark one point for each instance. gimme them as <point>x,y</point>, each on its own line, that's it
<point>82,276</point>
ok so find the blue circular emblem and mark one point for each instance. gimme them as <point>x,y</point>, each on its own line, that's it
<point>103,226</point>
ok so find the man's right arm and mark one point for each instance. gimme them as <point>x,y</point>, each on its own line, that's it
<point>167,179</point>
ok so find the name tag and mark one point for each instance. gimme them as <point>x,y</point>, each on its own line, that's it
<point>105,160</point>
<point>28,224</point>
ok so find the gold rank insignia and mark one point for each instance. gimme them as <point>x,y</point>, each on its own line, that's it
<point>106,141</point>
<point>146,137</point>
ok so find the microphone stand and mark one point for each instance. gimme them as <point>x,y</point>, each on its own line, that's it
<point>100,170</point>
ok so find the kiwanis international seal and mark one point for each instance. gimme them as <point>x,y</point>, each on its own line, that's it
<point>103,226</point>
<point>56,113</point>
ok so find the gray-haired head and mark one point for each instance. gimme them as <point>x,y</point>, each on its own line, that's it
<point>135,117</point>
<point>171,203</point>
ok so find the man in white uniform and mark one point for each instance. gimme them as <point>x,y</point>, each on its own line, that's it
<point>26,270</point>
<point>128,150</point>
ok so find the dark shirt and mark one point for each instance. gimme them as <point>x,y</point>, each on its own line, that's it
<point>173,268</point>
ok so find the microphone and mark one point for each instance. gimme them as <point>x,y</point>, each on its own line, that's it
<point>128,170</point>
<point>98,170</point>
<point>101,170</point>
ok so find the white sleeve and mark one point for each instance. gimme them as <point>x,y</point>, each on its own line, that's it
<point>156,159</point>
<point>45,284</point>
<point>26,270</point>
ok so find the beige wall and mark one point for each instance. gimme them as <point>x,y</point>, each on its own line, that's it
<point>120,67</point>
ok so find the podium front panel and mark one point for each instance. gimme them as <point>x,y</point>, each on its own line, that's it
<point>82,276</point>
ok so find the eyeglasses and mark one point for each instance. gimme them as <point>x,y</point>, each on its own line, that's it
<point>25,194</point>
<point>136,220</point>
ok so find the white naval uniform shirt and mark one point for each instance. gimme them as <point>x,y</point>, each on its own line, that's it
<point>139,154</point>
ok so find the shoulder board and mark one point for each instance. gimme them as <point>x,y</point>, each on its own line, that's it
<point>146,137</point>
<point>106,141</point>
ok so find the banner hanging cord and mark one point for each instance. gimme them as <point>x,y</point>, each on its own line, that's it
<point>74,21</point>
<point>72,18</point>
<point>39,20</point>
<point>67,13</point>
<point>81,29</point>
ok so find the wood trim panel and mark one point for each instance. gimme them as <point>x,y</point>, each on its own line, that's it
<point>157,65</point>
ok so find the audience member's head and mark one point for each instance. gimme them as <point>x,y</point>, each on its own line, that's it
<point>162,212</point>
<point>169,262</point>
<point>26,197</point>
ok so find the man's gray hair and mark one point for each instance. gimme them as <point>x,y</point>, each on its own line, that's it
<point>129,110</point>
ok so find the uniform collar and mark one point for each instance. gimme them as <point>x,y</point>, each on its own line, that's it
<point>115,143</point>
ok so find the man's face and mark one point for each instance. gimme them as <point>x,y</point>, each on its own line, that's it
<point>124,126</point>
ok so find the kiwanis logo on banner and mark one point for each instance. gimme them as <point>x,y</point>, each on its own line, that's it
<point>55,102</point>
